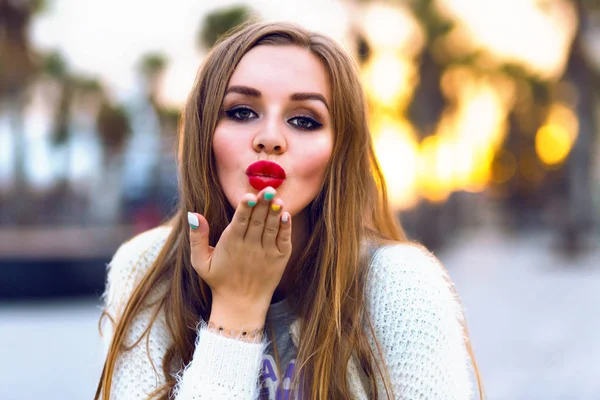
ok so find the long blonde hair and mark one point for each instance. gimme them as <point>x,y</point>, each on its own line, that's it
<point>330,276</point>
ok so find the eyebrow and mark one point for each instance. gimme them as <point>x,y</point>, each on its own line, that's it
<point>251,92</point>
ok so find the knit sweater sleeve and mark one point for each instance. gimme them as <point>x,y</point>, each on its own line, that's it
<point>220,367</point>
<point>417,321</point>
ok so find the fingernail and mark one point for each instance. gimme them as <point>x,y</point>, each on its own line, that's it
<point>269,195</point>
<point>193,220</point>
<point>275,207</point>
<point>251,203</point>
<point>285,218</point>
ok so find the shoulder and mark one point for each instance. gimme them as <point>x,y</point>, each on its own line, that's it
<point>137,254</point>
<point>142,242</point>
<point>408,275</point>
<point>406,256</point>
<point>418,322</point>
<point>407,269</point>
<point>129,264</point>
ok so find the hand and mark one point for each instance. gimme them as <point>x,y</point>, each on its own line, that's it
<point>246,265</point>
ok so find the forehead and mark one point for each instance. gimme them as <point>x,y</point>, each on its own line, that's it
<point>285,69</point>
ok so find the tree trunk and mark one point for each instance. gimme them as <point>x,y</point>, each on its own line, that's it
<point>18,204</point>
<point>579,164</point>
<point>106,194</point>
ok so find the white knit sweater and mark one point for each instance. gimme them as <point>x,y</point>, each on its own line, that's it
<point>413,310</point>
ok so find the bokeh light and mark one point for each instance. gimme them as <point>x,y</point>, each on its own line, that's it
<point>554,139</point>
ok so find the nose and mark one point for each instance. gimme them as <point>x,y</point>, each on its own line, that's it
<point>270,139</point>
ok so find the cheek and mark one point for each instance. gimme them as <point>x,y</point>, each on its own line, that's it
<point>227,161</point>
<point>219,147</point>
<point>314,161</point>
<point>225,150</point>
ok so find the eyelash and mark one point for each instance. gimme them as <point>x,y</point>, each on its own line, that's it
<point>231,114</point>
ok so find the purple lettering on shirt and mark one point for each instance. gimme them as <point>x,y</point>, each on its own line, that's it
<point>268,371</point>
<point>271,388</point>
<point>289,372</point>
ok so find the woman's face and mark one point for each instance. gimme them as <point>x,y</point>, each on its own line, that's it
<point>276,108</point>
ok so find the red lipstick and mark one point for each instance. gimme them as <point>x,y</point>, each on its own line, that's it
<point>265,173</point>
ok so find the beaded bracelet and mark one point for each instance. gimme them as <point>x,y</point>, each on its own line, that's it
<point>241,334</point>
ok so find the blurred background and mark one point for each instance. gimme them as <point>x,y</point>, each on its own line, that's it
<point>486,119</point>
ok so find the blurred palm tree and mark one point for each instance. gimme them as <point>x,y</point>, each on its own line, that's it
<point>152,67</point>
<point>221,21</point>
<point>17,71</point>
<point>75,100</point>
<point>88,96</point>
<point>54,67</point>
<point>114,130</point>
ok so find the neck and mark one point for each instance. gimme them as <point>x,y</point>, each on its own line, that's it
<point>300,236</point>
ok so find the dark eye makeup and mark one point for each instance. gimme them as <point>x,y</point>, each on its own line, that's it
<point>305,123</point>
<point>244,114</point>
<point>240,114</point>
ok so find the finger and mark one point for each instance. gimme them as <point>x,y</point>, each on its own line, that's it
<point>199,230</point>
<point>259,216</point>
<point>272,224</point>
<point>284,236</point>
<point>241,218</point>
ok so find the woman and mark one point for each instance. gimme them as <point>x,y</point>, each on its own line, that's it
<point>283,273</point>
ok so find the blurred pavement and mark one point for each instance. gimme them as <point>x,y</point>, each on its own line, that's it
<point>532,315</point>
<point>533,319</point>
<point>50,350</point>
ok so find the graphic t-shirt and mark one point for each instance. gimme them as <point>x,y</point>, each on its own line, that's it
<point>275,379</point>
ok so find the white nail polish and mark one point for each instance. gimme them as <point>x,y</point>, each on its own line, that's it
<point>284,218</point>
<point>193,220</point>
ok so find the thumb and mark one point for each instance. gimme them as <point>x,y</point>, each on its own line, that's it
<point>198,239</point>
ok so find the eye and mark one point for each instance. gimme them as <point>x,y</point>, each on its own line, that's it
<point>240,113</point>
<point>305,123</point>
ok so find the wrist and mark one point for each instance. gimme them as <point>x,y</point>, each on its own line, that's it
<point>252,335</point>
<point>237,314</point>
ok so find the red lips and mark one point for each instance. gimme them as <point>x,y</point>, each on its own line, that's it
<point>265,173</point>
